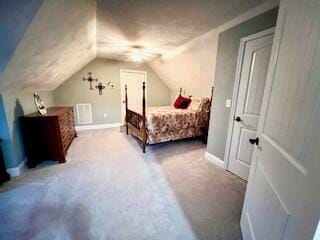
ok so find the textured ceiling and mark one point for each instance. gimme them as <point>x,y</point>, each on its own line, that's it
<point>11,32</point>
<point>159,25</point>
<point>66,35</point>
<point>59,41</point>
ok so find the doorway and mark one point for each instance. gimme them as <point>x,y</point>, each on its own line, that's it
<point>252,68</point>
<point>133,80</point>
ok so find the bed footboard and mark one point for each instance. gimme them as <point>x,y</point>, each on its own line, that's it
<point>136,122</point>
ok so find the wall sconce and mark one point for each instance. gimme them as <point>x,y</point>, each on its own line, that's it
<point>90,80</point>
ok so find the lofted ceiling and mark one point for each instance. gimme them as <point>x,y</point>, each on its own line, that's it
<point>159,26</point>
<point>65,35</point>
<point>59,41</point>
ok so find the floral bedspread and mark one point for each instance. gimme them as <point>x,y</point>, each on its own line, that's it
<point>166,123</point>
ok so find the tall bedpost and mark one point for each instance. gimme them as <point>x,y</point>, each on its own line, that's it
<point>144,129</point>
<point>126,102</point>
<point>206,129</point>
<point>212,88</point>
<point>180,91</point>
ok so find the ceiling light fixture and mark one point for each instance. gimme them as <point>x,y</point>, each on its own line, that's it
<point>137,55</point>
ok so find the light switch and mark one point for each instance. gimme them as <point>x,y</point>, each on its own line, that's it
<point>228,103</point>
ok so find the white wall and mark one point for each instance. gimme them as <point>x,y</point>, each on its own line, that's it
<point>192,69</point>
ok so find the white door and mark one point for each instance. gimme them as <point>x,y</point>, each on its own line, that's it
<point>133,80</point>
<point>283,195</point>
<point>254,56</point>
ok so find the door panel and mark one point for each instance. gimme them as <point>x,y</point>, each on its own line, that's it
<point>287,158</point>
<point>271,210</point>
<point>259,67</point>
<point>254,67</point>
<point>244,151</point>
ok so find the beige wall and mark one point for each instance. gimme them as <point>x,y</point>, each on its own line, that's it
<point>192,69</point>
<point>75,91</point>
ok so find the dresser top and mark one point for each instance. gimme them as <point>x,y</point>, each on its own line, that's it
<point>51,112</point>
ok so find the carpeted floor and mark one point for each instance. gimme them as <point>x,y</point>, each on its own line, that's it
<point>109,190</point>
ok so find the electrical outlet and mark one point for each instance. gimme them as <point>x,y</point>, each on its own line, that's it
<point>105,115</point>
<point>228,103</point>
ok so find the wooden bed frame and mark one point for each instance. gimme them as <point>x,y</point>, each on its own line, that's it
<point>136,122</point>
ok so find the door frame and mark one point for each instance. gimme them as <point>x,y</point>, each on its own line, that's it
<point>235,93</point>
<point>122,93</point>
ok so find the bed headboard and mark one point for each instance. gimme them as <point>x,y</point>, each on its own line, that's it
<point>200,103</point>
<point>189,95</point>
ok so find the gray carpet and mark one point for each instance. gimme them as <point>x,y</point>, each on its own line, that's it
<point>109,190</point>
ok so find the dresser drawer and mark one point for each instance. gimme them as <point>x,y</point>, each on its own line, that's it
<point>62,122</point>
<point>67,130</point>
<point>66,126</point>
<point>67,140</point>
<point>66,121</point>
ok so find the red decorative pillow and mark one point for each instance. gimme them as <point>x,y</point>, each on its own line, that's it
<point>178,101</point>
<point>185,103</point>
<point>182,102</point>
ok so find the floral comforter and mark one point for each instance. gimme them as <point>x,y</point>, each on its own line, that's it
<point>166,123</point>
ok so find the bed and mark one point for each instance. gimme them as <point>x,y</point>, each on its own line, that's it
<point>166,123</point>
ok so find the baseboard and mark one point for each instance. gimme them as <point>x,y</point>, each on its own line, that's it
<point>17,171</point>
<point>214,159</point>
<point>98,126</point>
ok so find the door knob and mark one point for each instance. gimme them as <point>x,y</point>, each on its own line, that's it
<point>238,119</point>
<point>254,141</point>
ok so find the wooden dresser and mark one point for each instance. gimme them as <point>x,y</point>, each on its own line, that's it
<point>48,137</point>
<point>4,176</point>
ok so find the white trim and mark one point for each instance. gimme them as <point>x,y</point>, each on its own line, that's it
<point>214,159</point>
<point>17,171</point>
<point>243,42</point>
<point>133,71</point>
<point>256,11</point>
<point>257,35</point>
<point>98,126</point>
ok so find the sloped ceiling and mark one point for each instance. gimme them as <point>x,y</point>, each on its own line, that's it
<point>66,35</point>
<point>192,66</point>
<point>11,32</point>
<point>59,41</point>
<point>193,69</point>
<point>159,26</point>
